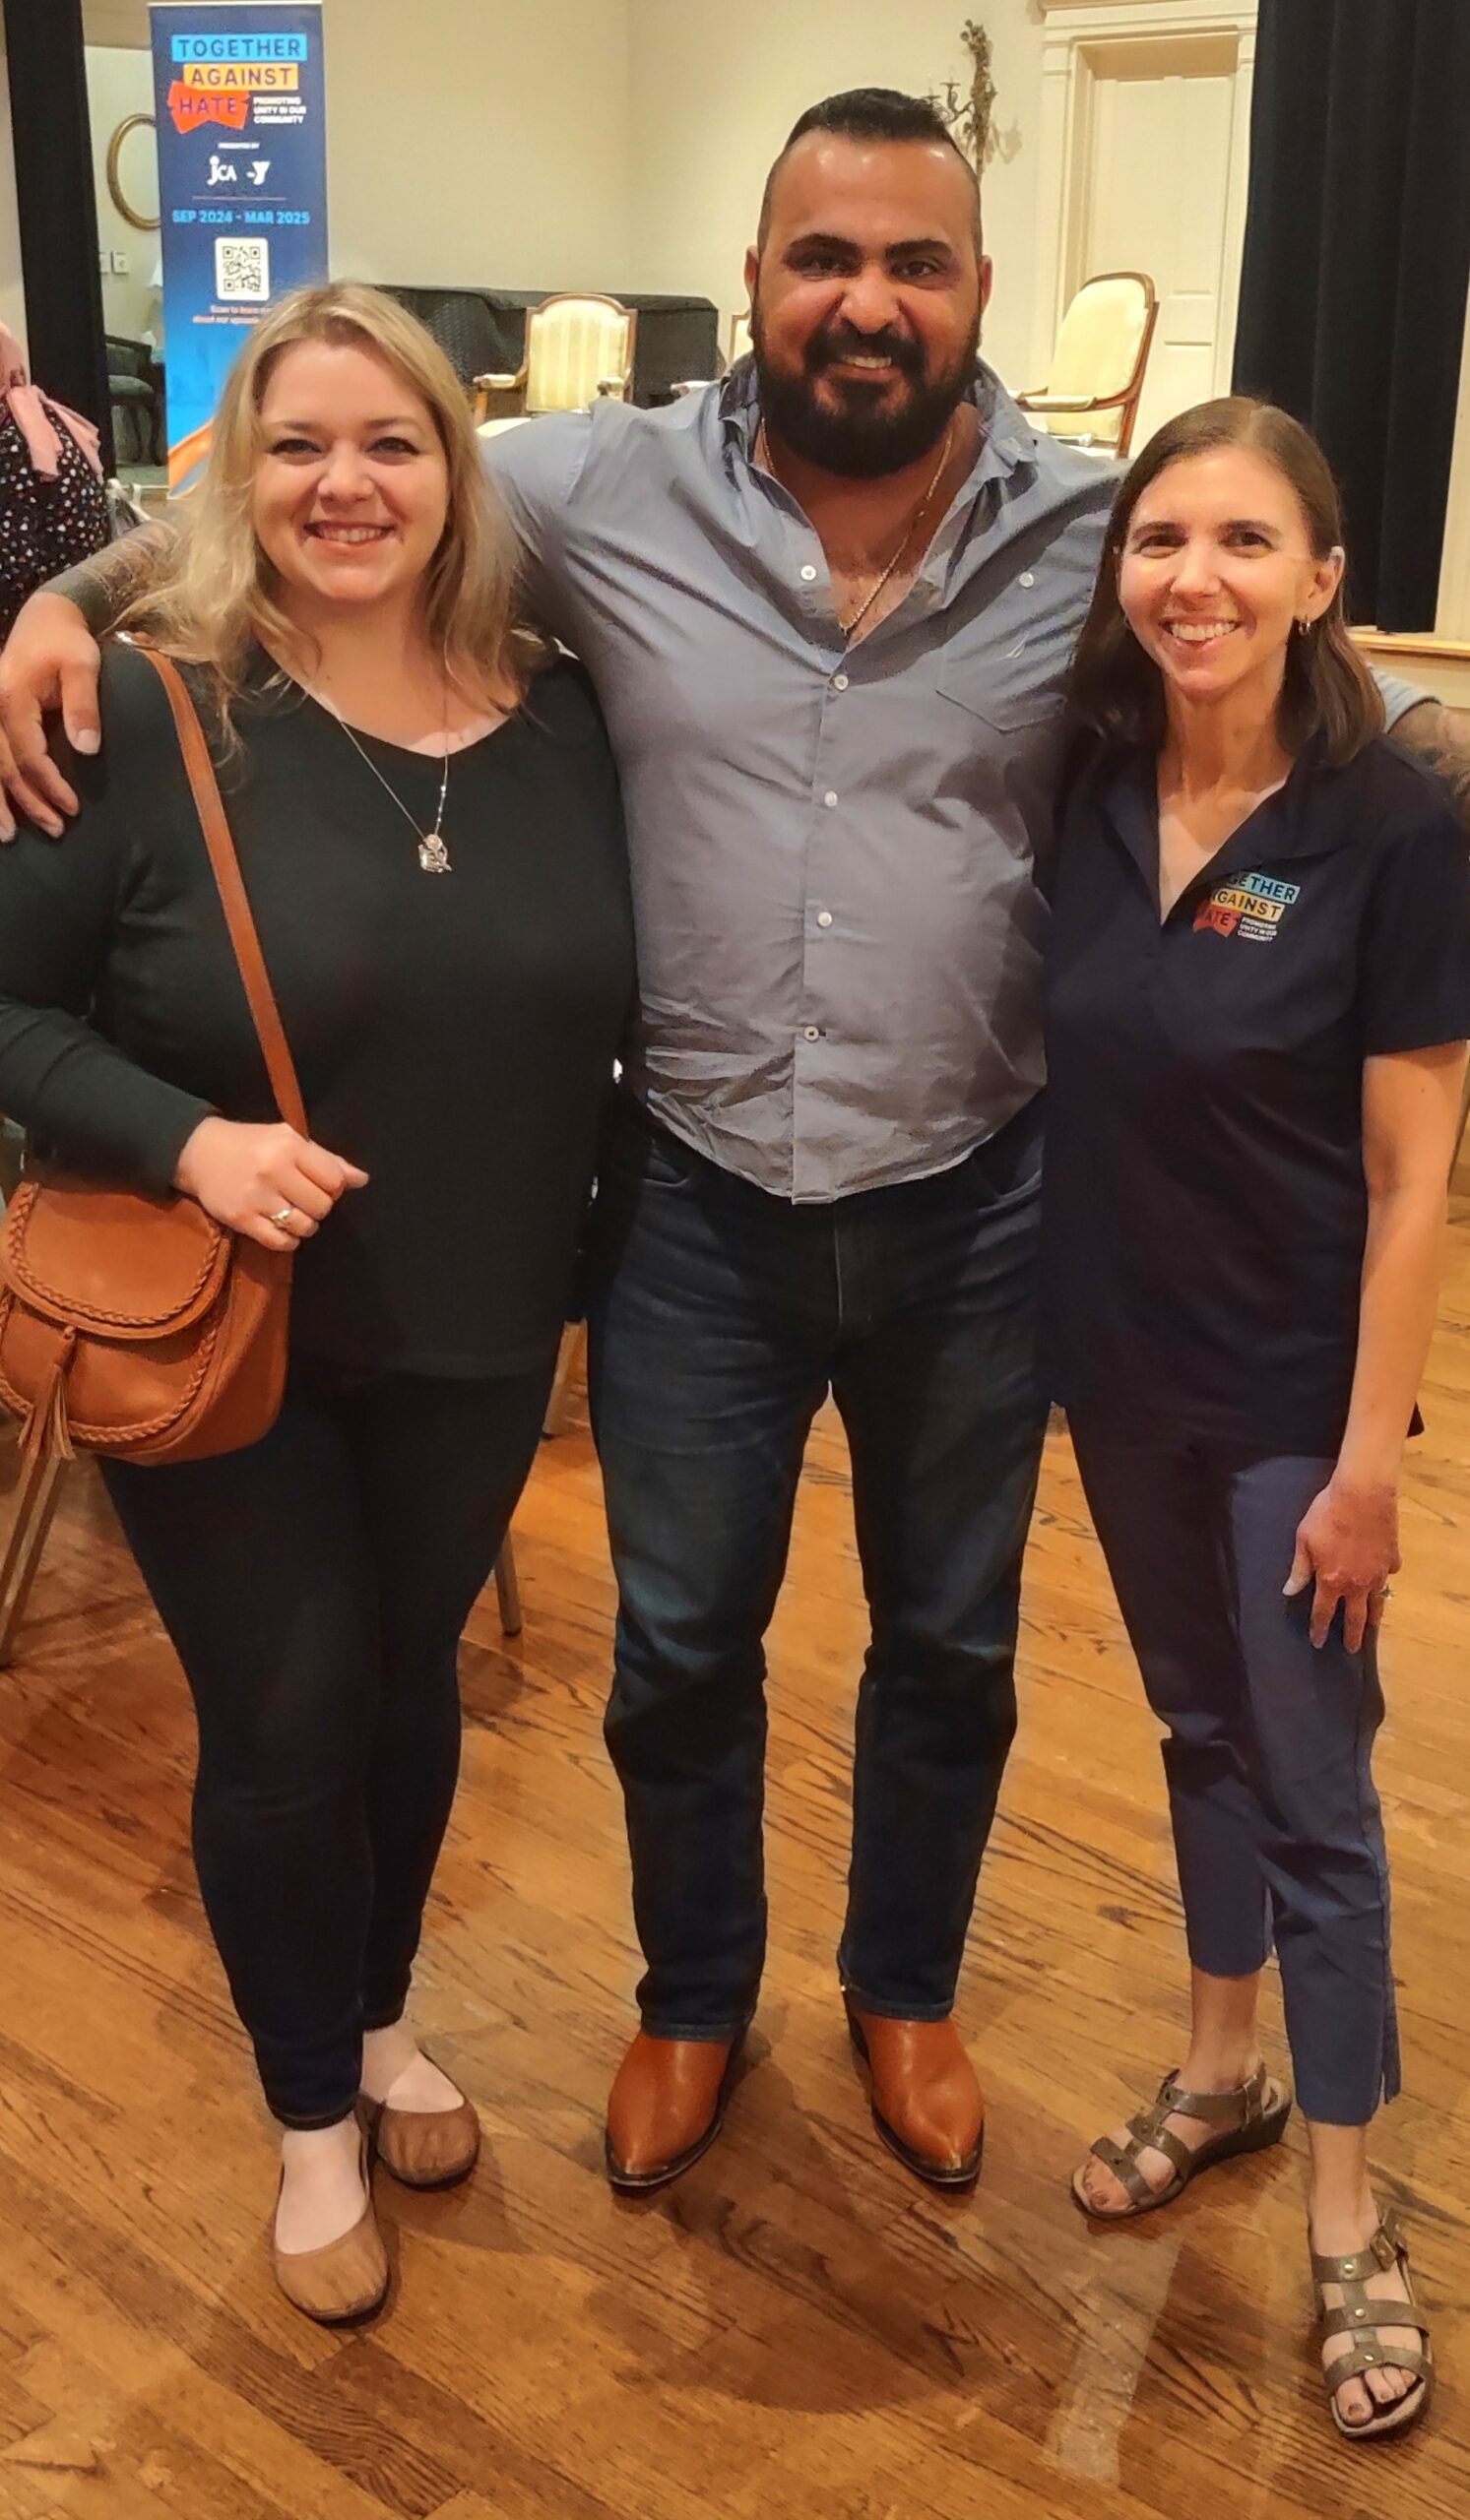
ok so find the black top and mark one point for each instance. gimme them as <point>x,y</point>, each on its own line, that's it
<point>453,1033</point>
<point>1204,1213</point>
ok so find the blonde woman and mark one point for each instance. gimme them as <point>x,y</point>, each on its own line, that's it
<point>428,819</point>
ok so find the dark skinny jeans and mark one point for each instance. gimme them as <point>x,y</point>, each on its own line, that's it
<point>315,1587</point>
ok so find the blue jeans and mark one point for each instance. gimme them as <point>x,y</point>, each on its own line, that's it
<point>720,1319</point>
<point>1268,1755</point>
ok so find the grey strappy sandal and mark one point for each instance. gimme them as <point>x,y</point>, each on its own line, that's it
<point>1364,2317</point>
<point>1249,2120</point>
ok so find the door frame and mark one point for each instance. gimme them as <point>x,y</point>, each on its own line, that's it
<point>1078,37</point>
<point>1452,620</point>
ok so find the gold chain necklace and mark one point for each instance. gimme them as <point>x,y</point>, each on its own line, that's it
<point>763,456</point>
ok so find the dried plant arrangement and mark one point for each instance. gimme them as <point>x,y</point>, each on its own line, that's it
<point>970,114</point>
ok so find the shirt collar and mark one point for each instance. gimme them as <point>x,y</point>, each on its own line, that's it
<point>1290,824</point>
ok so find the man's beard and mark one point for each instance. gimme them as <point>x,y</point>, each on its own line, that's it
<point>861,438</point>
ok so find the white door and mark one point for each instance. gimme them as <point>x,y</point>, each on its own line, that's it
<point>1157,137</point>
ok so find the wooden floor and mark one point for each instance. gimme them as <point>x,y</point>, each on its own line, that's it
<point>797,2328</point>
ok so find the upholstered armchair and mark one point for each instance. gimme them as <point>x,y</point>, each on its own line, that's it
<point>576,350</point>
<point>1093,392</point>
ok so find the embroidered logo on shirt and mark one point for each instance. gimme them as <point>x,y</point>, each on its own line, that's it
<point>1250,905</point>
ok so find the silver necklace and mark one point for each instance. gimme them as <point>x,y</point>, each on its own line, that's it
<point>763,456</point>
<point>433,856</point>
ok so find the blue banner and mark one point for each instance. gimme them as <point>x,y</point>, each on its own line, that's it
<point>243,188</point>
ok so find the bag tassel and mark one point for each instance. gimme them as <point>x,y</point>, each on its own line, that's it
<point>47,1428</point>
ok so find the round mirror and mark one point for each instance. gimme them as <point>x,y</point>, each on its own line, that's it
<point>133,170</point>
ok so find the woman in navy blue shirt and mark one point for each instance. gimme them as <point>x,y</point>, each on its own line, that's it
<point>1258,1005</point>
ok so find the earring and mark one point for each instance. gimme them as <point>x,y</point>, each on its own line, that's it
<point>1305,624</point>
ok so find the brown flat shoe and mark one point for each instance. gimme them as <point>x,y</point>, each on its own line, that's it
<point>1363,2316</point>
<point>425,2147</point>
<point>346,2279</point>
<point>665,2107</point>
<point>926,2102</point>
<point>1250,2119</point>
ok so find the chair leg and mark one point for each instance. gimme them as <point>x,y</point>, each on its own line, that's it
<point>35,1503</point>
<point>573,1347</point>
<point>508,1589</point>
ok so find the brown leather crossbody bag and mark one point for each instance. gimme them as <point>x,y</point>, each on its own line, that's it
<point>136,1325</point>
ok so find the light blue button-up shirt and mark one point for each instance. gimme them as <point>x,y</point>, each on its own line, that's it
<point>839,932</point>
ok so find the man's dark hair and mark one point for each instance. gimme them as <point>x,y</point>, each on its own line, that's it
<point>869,113</point>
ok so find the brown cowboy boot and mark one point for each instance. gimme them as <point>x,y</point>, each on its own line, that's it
<point>927,2103</point>
<point>665,2107</point>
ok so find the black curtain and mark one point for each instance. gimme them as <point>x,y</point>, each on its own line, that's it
<point>1356,267</point>
<point>57,207</point>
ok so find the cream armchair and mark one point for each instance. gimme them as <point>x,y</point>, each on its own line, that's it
<point>1097,366</point>
<point>576,348</point>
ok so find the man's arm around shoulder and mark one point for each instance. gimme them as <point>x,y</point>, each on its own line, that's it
<point>1440,738</point>
<point>50,662</point>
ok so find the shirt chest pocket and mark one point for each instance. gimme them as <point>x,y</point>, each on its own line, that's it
<point>1001,710</point>
<point>1007,666</point>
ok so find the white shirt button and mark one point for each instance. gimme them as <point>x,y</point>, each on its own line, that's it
<point>808,573</point>
<point>812,1034</point>
<point>830,798</point>
<point>824,918</point>
<point>1027,577</point>
<point>839,682</point>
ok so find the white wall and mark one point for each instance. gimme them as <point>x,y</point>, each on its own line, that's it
<point>715,90</point>
<point>467,140</point>
<point>12,293</point>
<point>115,22</point>
<point>470,143</point>
<point>120,83</point>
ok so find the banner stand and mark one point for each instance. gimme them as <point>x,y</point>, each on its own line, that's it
<point>240,101</point>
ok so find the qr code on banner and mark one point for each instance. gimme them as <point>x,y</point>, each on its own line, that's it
<point>243,267</point>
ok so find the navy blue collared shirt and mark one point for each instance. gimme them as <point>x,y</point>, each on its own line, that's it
<point>1204,1211</point>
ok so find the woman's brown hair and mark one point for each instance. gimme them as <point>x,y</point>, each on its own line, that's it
<point>1116,688</point>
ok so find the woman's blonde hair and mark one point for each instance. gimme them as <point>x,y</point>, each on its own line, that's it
<point>216,591</point>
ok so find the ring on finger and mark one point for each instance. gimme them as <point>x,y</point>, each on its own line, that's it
<point>280,1217</point>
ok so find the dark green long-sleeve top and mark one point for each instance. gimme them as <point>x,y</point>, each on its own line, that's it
<point>453,1033</point>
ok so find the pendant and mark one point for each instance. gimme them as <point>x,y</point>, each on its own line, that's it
<point>433,856</point>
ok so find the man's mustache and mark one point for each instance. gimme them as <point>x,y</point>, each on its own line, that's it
<point>826,349</point>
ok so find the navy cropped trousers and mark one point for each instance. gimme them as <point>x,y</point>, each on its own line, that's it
<point>1269,1740</point>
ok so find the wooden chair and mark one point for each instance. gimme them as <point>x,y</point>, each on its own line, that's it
<point>577,348</point>
<point>1092,395</point>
